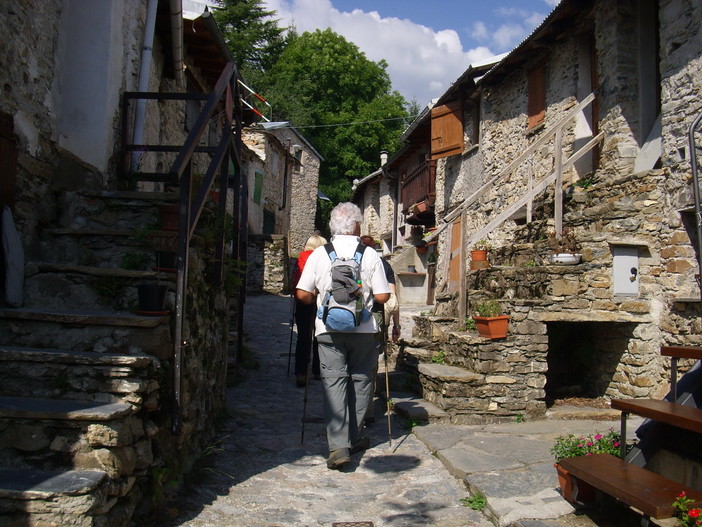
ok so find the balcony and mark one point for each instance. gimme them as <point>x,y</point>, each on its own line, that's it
<point>417,193</point>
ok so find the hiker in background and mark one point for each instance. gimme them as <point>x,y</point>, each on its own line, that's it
<point>390,311</point>
<point>304,320</point>
<point>347,357</point>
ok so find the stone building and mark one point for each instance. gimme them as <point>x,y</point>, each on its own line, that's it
<point>282,169</point>
<point>583,127</point>
<point>116,396</point>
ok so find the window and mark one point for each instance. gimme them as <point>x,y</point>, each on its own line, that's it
<point>536,85</point>
<point>258,186</point>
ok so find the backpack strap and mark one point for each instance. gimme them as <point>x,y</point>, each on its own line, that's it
<point>329,247</point>
<point>358,255</point>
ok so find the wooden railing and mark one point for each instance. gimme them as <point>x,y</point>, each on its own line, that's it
<point>225,96</point>
<point>535,187</point>
<point>419,185</point>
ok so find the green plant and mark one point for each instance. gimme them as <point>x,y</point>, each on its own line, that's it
<point>469,325</point>
<point>481,245</point>
<point>234,273</point>
<point>412,423</point>
<point>520,418</point>
<point>438,357</point>
<point>570,445</point>
<point>134,261</point>
<point>565,243</point>
<point>109,290</point>
<point>685,516</point>
<point>586,182</point>
<point>488,308</point>
<point>475,501</point>
<point>531,263</point>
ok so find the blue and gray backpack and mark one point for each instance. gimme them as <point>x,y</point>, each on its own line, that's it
<point>343,306</point>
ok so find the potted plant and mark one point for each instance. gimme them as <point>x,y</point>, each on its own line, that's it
<point>489,320</point>
<point>478,255</point>
<point>565,248</point>
<point>570,445</point>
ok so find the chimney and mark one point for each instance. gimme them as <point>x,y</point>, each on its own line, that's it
<point>383,157</point>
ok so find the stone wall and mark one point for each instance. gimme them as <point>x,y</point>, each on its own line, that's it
<point>617,207</point>
<point>268,263</point>
<point>303,184</point>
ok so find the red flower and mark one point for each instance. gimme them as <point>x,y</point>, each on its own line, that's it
<point>693,513</point>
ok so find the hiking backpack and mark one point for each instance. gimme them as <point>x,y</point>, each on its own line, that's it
<point>343,306</point>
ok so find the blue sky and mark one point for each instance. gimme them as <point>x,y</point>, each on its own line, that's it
<point>427,44</point>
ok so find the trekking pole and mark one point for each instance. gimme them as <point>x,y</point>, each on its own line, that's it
<point>387,381</point>
<point>307,383</point>
<point>292,320</point>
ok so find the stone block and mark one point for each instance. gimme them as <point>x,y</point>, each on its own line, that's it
<point>499,379</point>
<point>564,287</point>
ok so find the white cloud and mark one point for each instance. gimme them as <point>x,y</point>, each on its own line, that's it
<point>422,63</point>
<point>480,31</point>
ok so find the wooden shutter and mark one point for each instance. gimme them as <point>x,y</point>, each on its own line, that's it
<point>447,130</point>
<point>537,96</point>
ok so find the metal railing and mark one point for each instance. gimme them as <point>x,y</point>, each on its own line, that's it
<point>696,192</point>
<point>226,96</point>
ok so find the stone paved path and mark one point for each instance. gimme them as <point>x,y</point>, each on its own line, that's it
<point>260,475</point>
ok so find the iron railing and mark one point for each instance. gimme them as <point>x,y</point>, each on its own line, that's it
<point>224,98</point>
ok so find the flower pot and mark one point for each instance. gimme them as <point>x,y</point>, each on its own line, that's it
<point>573,489</point>
<point>422,249</point>
<point>492,327</point>
<point>152,297</point>
<point>564,258</point>
<point>170,217</point>
<point>478,259</point>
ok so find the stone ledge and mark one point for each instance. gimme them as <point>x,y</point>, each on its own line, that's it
<point>35,408</point>
<point>589,316</point>
<point>84,317</point>
<point>16,354</point>
<point>33,484</point>
<point>446,373</point>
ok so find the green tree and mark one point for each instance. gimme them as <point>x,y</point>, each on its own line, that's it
<point>342,102</point>
<point>251,34</point>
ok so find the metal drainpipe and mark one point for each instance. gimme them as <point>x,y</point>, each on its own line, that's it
<point>143,82</point>
<point>177,40</point>
<point>696,194</point>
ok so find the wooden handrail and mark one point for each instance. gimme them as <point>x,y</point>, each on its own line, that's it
<point>522,157</point>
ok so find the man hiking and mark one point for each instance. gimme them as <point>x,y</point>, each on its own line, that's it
<point>347,357</point>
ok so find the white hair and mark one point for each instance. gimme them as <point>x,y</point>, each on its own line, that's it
<point>344,218</point>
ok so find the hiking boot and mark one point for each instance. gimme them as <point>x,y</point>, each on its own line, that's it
<point>360,445</point>
<point>338,459</point>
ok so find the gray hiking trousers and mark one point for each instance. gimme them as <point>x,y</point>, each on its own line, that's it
<point>347,361</point>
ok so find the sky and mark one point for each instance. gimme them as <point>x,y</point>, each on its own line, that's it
<point>426,44</point>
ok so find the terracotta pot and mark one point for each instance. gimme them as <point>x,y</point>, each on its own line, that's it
<point>170,215</point>
<point>422,249</point>
<point>573,489</point>
<point>478,255</point>
<point>492,327</point>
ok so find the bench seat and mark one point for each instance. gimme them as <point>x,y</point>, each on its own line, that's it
<point>687,417</point>
<point>647,491</point>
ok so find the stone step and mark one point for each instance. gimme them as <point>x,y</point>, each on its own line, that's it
<point>114,209</point>
<point>54,286</point>
<point>89,331</point>
<point>417,410</point>
<point>52,498</point>
<point>53,434</point>
<point>39,408</point>
<point>53,373</point>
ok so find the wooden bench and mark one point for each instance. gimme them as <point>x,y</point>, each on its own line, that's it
<point>630,483</point>
<point>647,491</point>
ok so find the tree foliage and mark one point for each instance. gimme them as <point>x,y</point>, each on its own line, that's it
<point>251,34</point>
<point>341,101</point>
<point>325,86</point>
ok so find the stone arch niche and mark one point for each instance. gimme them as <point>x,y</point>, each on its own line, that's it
<point>583,358</point>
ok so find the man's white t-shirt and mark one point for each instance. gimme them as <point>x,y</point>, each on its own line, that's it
<point>317,276</point>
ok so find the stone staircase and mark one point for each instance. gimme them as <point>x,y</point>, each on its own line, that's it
<point>82,375</point>
<point>443,373</point>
